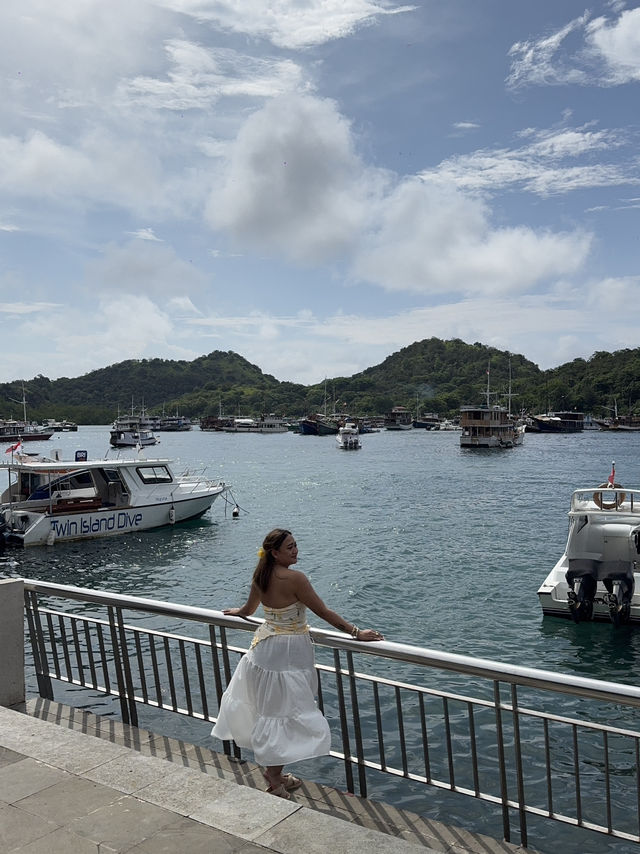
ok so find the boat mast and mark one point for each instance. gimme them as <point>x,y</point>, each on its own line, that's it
<point>488,384</point>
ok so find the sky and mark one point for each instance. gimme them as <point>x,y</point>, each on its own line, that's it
<point>316,184</point>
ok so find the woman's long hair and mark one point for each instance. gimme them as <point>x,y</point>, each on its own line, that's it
<point>266,562</point>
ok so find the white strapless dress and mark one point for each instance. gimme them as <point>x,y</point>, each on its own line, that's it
<point>270,704</point>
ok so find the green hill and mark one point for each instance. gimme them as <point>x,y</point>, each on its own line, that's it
<point>436,375</point>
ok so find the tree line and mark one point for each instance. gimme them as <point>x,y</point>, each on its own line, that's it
<point>432,375</point>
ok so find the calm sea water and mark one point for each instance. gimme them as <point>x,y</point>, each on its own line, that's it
<point>434,545</point>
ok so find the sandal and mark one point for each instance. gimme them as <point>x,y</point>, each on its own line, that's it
<point>290,782</point>
<point>279,792</point>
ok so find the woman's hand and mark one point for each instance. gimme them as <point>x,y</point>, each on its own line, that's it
<point>233,612</point>
<point>369,635</point>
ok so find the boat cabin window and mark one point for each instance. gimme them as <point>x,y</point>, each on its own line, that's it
<point>65,483</point>
<point>154,474</point>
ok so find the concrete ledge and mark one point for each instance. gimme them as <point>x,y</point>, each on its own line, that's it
<point>125,770</point>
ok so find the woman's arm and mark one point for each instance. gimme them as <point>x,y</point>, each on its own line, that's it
<point>308,596</point>
<point>249,606</point>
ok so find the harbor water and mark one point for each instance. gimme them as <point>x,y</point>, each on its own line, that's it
<point>433,545</point>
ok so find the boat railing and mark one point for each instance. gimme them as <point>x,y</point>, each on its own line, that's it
<point>607,498</point>
<point>529,745</point>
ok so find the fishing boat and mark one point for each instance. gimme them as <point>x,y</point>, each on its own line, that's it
<point>556,422</point>
<point>595,579</point>
<point>22,431</point>
<point>348,437</point>
<point>53,500</point>
<point>318,424</point>
<point>13,430</point>
<point>489,425</point>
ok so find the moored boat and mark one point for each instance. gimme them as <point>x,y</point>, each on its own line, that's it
<point>348,437</point>
<point>264,424</point>
<point>398,419</point>
<point>132,431</point>
<point>52,500</point>
<point>556,422</point>
<point>173,424</point>
<point>597,574</point>
<point>22,431</point>
<point>489,426</point>
<point>318,425</point>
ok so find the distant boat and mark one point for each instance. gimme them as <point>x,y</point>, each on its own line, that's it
<point>63,426</point>
<point>12,430</point>
<point>264,424</point>
<point>348,437</point>
<point>173,424</point>
<point>21,431</point>
<point>131,431</point>
<point>318,425</point>
<point>489,426</point>
<point>556,422</point>
<point>427,421</point>
<point>398,419</point>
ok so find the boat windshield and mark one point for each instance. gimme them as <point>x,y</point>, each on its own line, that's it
<point>39,487</point>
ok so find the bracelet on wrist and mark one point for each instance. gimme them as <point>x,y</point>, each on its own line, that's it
<point>355,632</point>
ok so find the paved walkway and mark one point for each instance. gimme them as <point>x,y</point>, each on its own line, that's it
<point>75,783</point>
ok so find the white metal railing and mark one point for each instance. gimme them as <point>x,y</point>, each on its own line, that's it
<point>496,732</point>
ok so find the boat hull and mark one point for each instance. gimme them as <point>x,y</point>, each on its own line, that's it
<point>597,577</point>
<point>554,601</point>
<point>44,528</point>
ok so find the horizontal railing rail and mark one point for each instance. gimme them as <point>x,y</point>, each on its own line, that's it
<point>475,727</point>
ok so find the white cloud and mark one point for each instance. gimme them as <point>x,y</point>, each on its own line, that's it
<point>144,234</point>
<point>545,164</point>
<point>287,23</point>
<point>295,184</point>
<point>143,267</point>
<point>198,76</point>
<point>606,53</point>
<point>618,45</point>
<point>434,239</point>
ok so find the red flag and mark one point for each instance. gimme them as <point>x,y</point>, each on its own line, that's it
<point>16,447</point>
<point>612,476</point>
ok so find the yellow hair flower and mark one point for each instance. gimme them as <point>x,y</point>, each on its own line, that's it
<point>261,552</point>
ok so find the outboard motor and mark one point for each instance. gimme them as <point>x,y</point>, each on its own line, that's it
<point>617,577</point>
<point>582,578</point>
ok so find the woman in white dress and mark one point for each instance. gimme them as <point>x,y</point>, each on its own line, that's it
<point>269,705</point>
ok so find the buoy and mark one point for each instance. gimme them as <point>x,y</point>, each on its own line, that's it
<point>172,516</point>
<point>235,512</point>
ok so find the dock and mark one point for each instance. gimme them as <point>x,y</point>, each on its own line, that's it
<point>73,781</point>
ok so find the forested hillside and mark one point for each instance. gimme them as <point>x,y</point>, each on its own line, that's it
<point>434,375</point>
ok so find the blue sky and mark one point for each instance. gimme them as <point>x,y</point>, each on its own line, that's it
<point>315,185</point>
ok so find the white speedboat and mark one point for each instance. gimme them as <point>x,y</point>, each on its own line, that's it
<point>348,437</point>
<point>52,500</point>
<point>595,579</point>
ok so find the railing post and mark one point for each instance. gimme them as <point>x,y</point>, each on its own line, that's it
<point>12,642</point>
<point>502,768</point>
<point>38,646</point>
